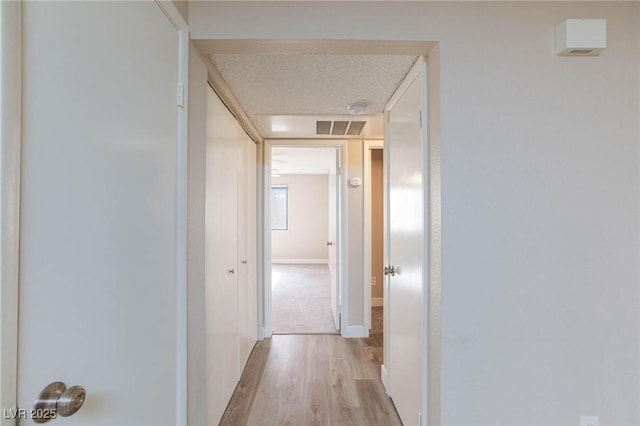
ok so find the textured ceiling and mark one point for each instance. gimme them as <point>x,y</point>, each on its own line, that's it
<point>302,161</point>
<point>280,84</point>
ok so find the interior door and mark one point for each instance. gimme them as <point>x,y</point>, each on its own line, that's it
<point>221,253</point>
<point>98,222</point>
<point>333,240</point>
<point>247,253</point>
<point>405,244</point>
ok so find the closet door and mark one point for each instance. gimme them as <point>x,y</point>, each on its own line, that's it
<point>247,238</point>
<point>221,290</point>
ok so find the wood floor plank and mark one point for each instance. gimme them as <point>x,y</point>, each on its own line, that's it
<point>246,390</point>
<point>311,380</point>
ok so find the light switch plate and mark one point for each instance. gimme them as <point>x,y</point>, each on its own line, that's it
<point>589,421</point>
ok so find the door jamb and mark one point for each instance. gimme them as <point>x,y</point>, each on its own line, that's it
<point>368,147</point>
<point>10,169</point>
<point>181,299</point>
<point>265,284</point>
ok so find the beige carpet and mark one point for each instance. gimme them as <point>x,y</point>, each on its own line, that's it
<point>301,299</point>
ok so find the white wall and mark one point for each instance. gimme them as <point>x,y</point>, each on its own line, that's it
<point>308,221</point>
<point>540,183</point>
<point>196,392</point>
<point>355,250</point>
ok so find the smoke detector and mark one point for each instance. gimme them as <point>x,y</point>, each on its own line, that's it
<point>357,108</point>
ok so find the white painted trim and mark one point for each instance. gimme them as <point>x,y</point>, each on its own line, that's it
<point>182,305</point>
<point>353,331</point>
<point>413,73</point>
<point>10,166</point>
<point>301,261</point>
<point>385,282</point>
<point>366,184</point>
<point>433,344</point>
<point>384,378</point>
<point>225,94</point>
<point>377,302</point>
<point>264,286</point>
<point>181,299</point>
<point>426,281</point>
<point>333,47</point>
<point>261,212</point>
<point>173,14</point>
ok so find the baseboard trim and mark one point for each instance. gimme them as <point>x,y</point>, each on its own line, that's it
<point>377,302</point>
<point>354,331</point>
<point>383,377</point>
<point>301,261</point>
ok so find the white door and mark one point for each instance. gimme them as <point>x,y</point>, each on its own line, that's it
<point>98,222</point>
<point>405,244</point>
<point>221,254</point>
<point>332,240</point>
<point>247,252</point>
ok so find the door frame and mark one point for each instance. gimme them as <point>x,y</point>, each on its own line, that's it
<point>264,285</point>
<point>369,146</point>
<point>10,175</point>
<point>181,257</point>
<point>428,65</point>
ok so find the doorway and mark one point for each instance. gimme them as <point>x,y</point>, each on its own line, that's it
<point>302,238</point>
<point>374,245</point>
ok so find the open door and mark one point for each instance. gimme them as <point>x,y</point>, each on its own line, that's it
<point>405,249</point>
<point>98,251</point>
<point>333,245</point>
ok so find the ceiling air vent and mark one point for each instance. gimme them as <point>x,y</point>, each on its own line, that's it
<point>356,128</point>
<point>339,128</point>
<point>323,127</point>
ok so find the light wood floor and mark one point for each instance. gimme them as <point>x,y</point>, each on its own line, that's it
<point>311,380</point>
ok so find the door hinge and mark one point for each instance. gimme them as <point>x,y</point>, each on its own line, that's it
<point>181,95</point>
<point>420,118</point>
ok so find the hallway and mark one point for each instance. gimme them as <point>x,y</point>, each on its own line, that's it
<point>311,380</point>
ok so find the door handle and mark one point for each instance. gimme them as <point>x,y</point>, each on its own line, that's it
<point>329,243</point>
<point>391,270</point>
<point>58,400</point>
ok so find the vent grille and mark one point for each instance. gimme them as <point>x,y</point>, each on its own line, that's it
<point>356,128</point>
<point>323,127</point>
<point>580,51</point>
<point>340,128</point>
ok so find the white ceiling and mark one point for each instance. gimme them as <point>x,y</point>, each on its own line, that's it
<point>288,84</point>
<point>302,161</point>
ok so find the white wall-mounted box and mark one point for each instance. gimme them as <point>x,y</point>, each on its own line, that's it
<point>581,37</point>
